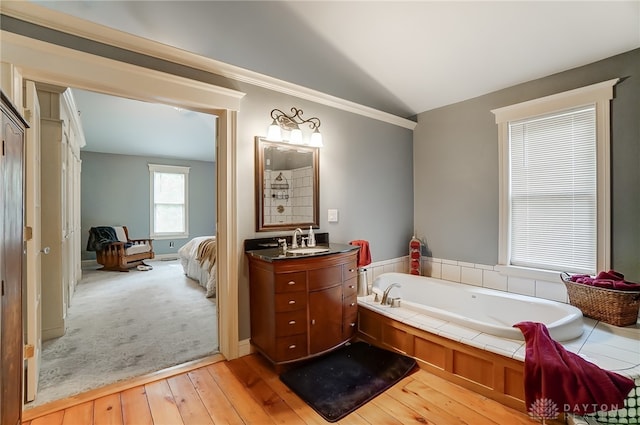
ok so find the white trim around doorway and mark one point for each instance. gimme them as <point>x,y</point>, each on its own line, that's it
<point>47,63</point>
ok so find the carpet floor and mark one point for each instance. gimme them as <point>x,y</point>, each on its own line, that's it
<point>123,325</point>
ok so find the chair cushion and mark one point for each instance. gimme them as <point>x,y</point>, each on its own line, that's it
<point>137,249</point>
<point>120,234</point>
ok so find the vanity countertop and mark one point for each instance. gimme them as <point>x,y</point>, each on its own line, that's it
<point>275,254</point>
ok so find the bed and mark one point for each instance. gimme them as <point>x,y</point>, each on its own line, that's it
<point>198,259</point>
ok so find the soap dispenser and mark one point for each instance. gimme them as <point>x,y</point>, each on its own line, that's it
<point>312,237</point>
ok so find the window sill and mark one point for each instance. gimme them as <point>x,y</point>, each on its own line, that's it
<point>172,236</point>
<point>529,273</point>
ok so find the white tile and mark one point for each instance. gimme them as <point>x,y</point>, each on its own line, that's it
<point>434,270</point>
<point>471,276</point>
<point>520,353</point>
<point>505,344</point>
<point>614,351</point>
<point>400,267</point>
<point>605,362</point>
<point>484,267</point>
<point>520,285</point>
<point>465,264</point>
<point>450,272</point>
<point>458,332</point>
<point>426,323</point>
<point>387,268</point>
<point>494,280</point>
<point>450,262</point>
<point>555,291</point>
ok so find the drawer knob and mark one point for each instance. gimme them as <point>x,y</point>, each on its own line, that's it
<point>291,282</point>
<point>352,270</point>
<point>292,346</point>
<point>353,324</point>
<point>292,322</point>
<point>352,304</point>
<point>292,301</point>
<point>352,286</point>
<point>313,321</point>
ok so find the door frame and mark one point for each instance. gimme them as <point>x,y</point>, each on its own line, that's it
<point>53,64</point>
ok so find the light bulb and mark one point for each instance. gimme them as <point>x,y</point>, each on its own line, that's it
<point>296,136</point>
<point>316,139</point>
<point>274,132</point>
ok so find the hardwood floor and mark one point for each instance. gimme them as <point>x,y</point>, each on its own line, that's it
<point>247,391</point>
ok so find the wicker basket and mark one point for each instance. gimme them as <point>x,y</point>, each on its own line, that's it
<point>619,308</point>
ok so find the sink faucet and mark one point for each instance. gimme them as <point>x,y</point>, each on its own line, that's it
<point>294,239</point>
<point>386,292</point>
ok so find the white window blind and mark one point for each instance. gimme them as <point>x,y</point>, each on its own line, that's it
<point>553,191</point>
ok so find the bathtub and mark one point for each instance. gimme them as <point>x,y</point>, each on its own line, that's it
<point>484,310</point>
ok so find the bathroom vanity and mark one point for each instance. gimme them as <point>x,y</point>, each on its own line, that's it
<point>302,305</point>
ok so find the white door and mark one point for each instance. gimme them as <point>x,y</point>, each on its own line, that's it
<point>34,250</point>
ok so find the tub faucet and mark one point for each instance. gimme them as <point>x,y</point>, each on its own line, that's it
<point>385,294</point>
<point>294,239</point>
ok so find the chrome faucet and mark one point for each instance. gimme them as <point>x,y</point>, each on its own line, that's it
<point>385,294</point>
<point>294,239</point>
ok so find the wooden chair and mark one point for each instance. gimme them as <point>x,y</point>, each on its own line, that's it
<point>123,255</point>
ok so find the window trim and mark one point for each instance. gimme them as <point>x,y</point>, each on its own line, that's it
<point>600,95</point>
<point>173,169</point>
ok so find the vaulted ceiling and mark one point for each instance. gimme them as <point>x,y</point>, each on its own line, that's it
<point>399,57</point>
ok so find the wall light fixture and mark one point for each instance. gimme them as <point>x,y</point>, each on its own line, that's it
<point>292,123</point>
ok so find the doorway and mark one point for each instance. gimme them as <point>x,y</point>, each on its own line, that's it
<point>61,66</point>
<point>122,325</point>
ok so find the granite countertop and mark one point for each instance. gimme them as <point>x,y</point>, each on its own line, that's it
<point>275,254</point>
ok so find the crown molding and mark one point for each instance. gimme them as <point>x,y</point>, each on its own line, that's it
<point>58,21</point>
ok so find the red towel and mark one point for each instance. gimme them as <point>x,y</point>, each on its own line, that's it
<point>572,383</point>
<point>364,255</point>
<point>609,280</point>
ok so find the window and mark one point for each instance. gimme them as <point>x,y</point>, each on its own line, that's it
<point>169,201</point>
<point>554,183</point>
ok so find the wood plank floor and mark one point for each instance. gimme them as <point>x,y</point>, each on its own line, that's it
<point>247,391</point>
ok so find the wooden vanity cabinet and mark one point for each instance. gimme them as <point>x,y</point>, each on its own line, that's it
<point>302,307</point>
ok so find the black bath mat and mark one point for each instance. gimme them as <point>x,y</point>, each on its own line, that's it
<point>340,382</point>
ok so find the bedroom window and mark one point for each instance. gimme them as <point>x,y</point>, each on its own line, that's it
<point>554,184</point>
<point>169,201</point>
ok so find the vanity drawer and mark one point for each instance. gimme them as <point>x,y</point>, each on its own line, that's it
<point>291,347</point>
<point>325,278</point>
<point>350,270</point>
<point>350,288</point>
<point>291,323</point>
<point>349,325</point>
<point>290,301</point>
<point>290,282</point>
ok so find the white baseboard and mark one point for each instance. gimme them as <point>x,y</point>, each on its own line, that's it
<point>244,348</point>
<point>165,257</point>
<point>88,263</point>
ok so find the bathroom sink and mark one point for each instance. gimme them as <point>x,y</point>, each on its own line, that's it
<point>307,250</point>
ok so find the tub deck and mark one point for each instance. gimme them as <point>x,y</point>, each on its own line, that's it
<point>487,364</point>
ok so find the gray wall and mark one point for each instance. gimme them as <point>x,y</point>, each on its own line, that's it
<point>365,167</point>
<point>456,166</point>
<point>365,172</point>
<point>116,191</point>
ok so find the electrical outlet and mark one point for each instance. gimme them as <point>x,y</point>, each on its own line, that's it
<point>171,244</point>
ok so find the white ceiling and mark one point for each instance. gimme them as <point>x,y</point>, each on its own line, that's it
<point>399,57</point>
<point>130,127</point>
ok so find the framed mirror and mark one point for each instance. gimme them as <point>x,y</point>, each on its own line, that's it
<point>287,186</point>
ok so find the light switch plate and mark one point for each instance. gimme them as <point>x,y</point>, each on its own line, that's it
<point>332,215</point>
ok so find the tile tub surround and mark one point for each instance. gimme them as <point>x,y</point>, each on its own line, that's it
<point>610,347</point>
